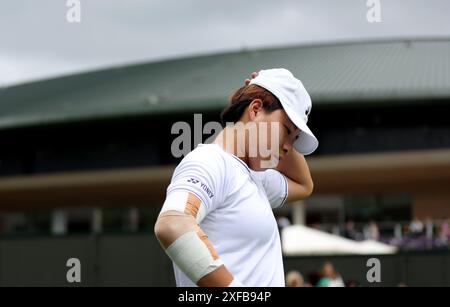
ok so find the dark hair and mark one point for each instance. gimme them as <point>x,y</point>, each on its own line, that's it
<point>243,97</point>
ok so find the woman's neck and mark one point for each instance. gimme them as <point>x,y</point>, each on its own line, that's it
<point>232,140</point>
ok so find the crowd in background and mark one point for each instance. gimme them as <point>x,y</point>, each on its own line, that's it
<point>408,235</point>
<point>413,235</point>
<point>326,276</point>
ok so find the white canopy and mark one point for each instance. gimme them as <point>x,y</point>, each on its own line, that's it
<point>301,240</point>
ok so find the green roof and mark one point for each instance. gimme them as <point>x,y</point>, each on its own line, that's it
<point>332,73</point>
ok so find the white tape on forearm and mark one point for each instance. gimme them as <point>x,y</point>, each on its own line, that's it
<point>177,200</point>
<point>192,256</point>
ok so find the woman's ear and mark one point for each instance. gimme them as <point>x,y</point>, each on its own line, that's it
<point>255,106</point>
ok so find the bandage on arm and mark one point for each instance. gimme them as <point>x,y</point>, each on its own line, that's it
<point>186,244</point>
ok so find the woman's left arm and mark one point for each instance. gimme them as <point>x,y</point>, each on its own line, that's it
<point>294,167</point>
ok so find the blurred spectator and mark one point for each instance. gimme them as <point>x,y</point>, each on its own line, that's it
<point>352,283</point>
<point>444,234</point>
<point>429,228</point>
<point>416,228</point>
<point>429,233</point>
<point>371,232</point>
<point>406,231</point>
<point>350,231</point>
<point>294,279</point>
<point>334,278</point>
<point>313,279</point>
<point>324,282</point>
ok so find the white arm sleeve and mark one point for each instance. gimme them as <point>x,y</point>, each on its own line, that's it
<point>201,173</point>
<point>276,187</point>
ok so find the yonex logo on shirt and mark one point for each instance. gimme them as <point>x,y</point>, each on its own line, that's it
<point>207,190</point>
<point>204,186</point>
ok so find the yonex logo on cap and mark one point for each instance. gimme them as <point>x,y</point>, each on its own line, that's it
<point>193,180</point>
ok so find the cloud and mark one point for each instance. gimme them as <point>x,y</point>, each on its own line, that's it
<point>115,31</point>
<point>19,68</point>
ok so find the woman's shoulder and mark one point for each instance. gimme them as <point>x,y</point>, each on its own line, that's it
<point>209,155</point>
<point>211,151</point>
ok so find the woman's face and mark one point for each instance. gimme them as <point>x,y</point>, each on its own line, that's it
<point>275,135</point>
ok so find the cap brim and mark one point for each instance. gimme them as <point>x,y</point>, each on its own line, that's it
<point>306,143</point>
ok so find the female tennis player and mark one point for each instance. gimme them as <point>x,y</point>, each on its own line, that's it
<point>217,223</point>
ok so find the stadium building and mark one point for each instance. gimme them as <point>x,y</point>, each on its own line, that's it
<point>91,152</point>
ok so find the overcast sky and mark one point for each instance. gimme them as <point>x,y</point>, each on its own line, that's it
<point>36,41</point>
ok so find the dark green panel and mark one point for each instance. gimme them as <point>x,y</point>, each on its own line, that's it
<point>42,262</point>
<point>426,270</point>
<point>138,260</point>
<point>135,260</point>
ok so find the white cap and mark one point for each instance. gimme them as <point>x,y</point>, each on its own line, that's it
<point>295,100</point>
